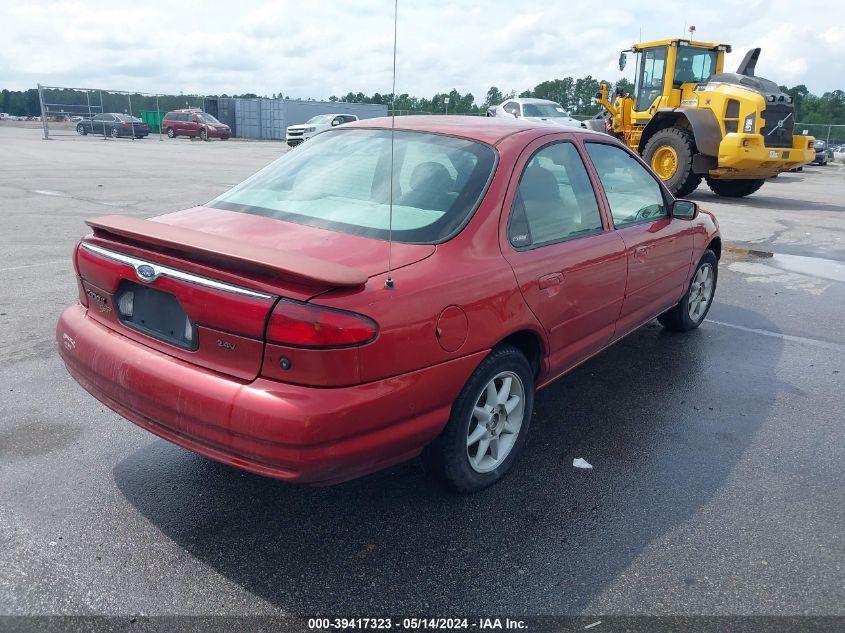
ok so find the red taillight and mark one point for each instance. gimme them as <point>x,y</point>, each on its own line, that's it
<point>83,297</point>
<point>811,145</point>
<point>127,125</point>
<point>746,142</point>
<point>306,325</point>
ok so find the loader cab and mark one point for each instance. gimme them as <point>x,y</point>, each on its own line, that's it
<point>667,68</point>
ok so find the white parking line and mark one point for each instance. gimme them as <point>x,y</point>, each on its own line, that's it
<point>834,347</point>
<point>52,263</point>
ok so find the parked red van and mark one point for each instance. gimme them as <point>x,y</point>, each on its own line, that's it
<point>194,123</point>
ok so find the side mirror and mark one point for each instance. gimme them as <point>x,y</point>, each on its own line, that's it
<point>623,59</point>
<point>684,209</point>
<point>335,122</point>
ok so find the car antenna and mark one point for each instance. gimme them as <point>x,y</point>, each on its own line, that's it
<point>389,281</point>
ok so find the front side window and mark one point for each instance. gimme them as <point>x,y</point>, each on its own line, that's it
<point>340,180</point>
<point>555,200</point>
<point>650,80</point>
<point>694,65</point>
<point>632,192</point>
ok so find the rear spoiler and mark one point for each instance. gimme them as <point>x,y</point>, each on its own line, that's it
<point>300,268</point>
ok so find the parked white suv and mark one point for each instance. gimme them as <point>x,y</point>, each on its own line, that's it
<point>536,111</point>
<point>296,134</point>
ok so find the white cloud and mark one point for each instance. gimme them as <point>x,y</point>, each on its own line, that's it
<point>320,49</point>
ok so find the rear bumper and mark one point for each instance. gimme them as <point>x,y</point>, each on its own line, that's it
<point>290,432</point>
<point>757,160</point>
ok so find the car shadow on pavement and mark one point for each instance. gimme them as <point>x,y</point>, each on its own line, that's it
<point>663,418</point>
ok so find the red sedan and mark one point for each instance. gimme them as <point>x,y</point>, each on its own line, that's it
<point>323,320</point>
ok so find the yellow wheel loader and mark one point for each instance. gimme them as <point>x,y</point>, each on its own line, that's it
<point>690,120</point>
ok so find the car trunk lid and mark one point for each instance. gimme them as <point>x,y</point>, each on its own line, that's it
<point>205,294</point>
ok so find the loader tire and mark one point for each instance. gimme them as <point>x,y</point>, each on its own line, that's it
<point>734,188</point>
<point>669,153</point>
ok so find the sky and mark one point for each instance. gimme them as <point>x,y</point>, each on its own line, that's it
<point>317,49</point>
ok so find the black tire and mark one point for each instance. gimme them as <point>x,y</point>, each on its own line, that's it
<point>734,188</point>
<point>80,129</point>
<point>203,134</point>
<point>114,133</point>
<point>171,133</point>
<point>447,457</point>
<point>678,318</point>
<point>684,181</point>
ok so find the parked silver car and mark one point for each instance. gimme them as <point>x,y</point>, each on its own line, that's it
<point>536,111</point>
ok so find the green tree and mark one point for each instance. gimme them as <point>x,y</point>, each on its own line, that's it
<point>494,97</point>
<point>625,86</point>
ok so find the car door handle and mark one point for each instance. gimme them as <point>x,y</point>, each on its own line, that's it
<point>641,252</point>
<point>553,279</point>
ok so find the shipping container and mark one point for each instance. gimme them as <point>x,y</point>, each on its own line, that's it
<point>269,119</point>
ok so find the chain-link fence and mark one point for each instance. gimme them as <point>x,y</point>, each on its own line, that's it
<point>110,114</point>
<point>832,134</point>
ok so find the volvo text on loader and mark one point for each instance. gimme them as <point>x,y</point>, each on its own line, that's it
<point>690,120</point>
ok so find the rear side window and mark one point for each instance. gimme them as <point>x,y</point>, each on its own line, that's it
<point>555,200</point>
<point>632,191</point>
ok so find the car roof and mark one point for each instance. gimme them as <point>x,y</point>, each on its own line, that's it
<point>490,130</point>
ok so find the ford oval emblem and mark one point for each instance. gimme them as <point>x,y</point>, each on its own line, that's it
<point>146,273</point>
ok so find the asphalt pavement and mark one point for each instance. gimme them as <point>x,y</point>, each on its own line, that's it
<point>717,481</point>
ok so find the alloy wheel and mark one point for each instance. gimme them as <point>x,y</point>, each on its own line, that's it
<point>701,292</point>
<point>495,422</point>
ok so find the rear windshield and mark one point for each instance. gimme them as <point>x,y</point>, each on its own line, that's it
<point>340,180</point>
